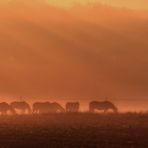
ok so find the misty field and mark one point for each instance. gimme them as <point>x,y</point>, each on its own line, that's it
<point>82,130</point>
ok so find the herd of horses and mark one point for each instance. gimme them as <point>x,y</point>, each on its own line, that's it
<point>47,107</point>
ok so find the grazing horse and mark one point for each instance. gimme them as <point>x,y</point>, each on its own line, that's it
<point>22,106</point>
<point>104,105</point>
<point>56,107</point>
<point>5,107</point>
<point>47,107</point>
<point>72,107</point>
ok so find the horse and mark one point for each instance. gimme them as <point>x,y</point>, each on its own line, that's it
<point>47,107</point>
<point>56,107</point>
<point>72,107</point>
<point>104,105</point>
<point>40,107</point>
<point>5,107</point>
<point>22,106</point>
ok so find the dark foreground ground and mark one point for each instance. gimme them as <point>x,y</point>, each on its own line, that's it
<point>74,131</point>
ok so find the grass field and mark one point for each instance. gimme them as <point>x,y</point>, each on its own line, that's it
<point>80,130</point>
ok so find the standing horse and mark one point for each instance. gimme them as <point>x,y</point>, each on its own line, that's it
<point>40,107</point>
<point>104,105</point>
<point>22,106</point>
<point>72,107</point>
<point>5,107</point>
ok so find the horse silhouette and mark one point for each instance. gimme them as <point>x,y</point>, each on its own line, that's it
<point>22,106</point>
<point>5,107</point>
<point>72,106</point>
<point>40,107</point>
<point>104,105</point>
<point>47,107</point>
<point>56,107</point>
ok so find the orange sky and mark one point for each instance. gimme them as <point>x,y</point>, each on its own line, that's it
<point>132,4</point>
<point>86,52</point>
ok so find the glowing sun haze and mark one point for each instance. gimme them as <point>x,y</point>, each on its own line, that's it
<point>133,4</point>
<point>84,51</point>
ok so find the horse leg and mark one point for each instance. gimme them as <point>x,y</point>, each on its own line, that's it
<point>34,111</point>
<point>91,110</point>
